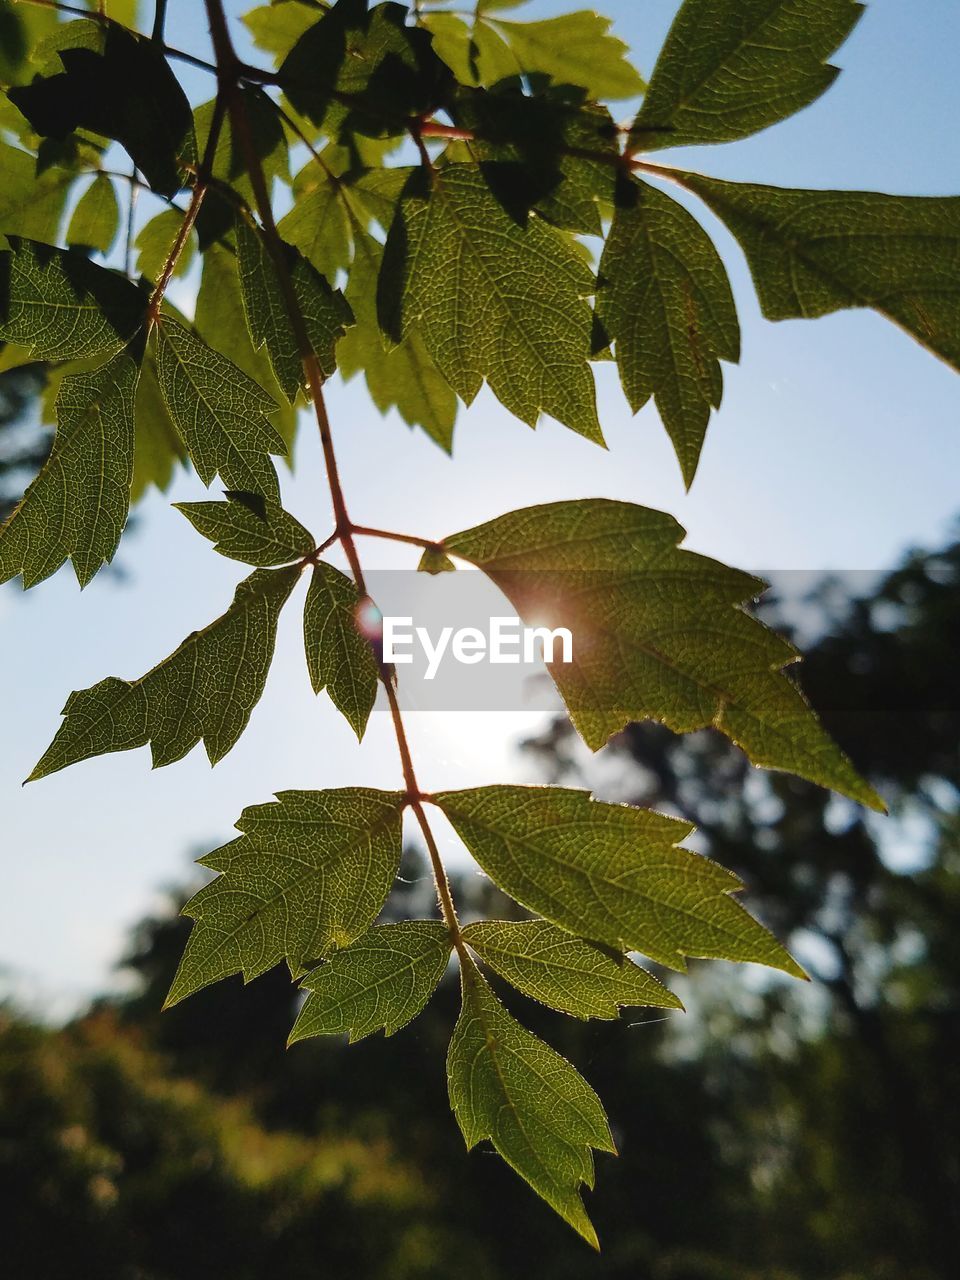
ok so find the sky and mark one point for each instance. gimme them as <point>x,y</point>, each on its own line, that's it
<point>836,448</point>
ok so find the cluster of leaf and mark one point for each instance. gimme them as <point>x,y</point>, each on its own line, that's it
<point>438,236</point>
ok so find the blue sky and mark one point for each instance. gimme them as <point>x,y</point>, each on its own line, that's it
<point>836,447</point>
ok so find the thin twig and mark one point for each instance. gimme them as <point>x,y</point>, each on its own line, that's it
<point>230,74</point>
<point>159,20</point>
<point>131,210</point>
<point>363,531</point>
<point>200,186</point>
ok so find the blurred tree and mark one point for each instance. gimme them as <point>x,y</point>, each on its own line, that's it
<point>23,445</point>
<point>872,906</point>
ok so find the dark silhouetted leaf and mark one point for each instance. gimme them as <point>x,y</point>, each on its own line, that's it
<point>122,88</point>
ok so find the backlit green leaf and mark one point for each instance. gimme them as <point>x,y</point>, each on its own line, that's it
<point>404,377</point>
<point>31,203</point>
<point>317,224</point>
<point>220,320</point>
<point>610,873</point>
<point>154,241</point>
<point>62,306</point>
<point>77,506</point>
<point>158,449</point>
<point>731,67</point>
<point>96,218</point>
<point>814,252</point>
<point>219,412</point>
<point>665,300</point>
<point>576,49</point>
<point>339,658</point>
<point>537,1110</point>
<point>566,973</point>
<point>658,633</point>
<point>250,528</point>
<point>379,983</point>
<point>308,876</point>
<point>491,299</point>
<point>277,27</point>
<point>434,561</point>
<point>324,310</point>
<point>206,689</point>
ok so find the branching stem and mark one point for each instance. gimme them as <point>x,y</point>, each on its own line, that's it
<point>200,187</point>
<point>363,531</point>
<point>230,73</point>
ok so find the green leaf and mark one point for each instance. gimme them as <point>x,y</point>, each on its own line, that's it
<point>565,973</point>
<point>218,411</point>
<point>379,983</point>
<point>732,67</point>
<point>77,506</point>
<point>309,875</point>
<point>435,561</point>
<point>155,240</point>
<point>814,252</point>
<point>62,306</point>
<point>538,1111</point>
<point>158,447</point>
<point>317,224</point>
<point>576,49</point>
<point>31,203</point>
<point>610,873</point>
<point>405,377</point>
<point>206,689</point>
<point>122,89</point>
<point>665,299</point>
<point>658,633</point>
<point>339,658</point>
<point>96,219</point>
<point>325,312</point>
<point>277,27</point>
<point>491,299</point>
<point>250,528</point>
<point>220,320</point>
